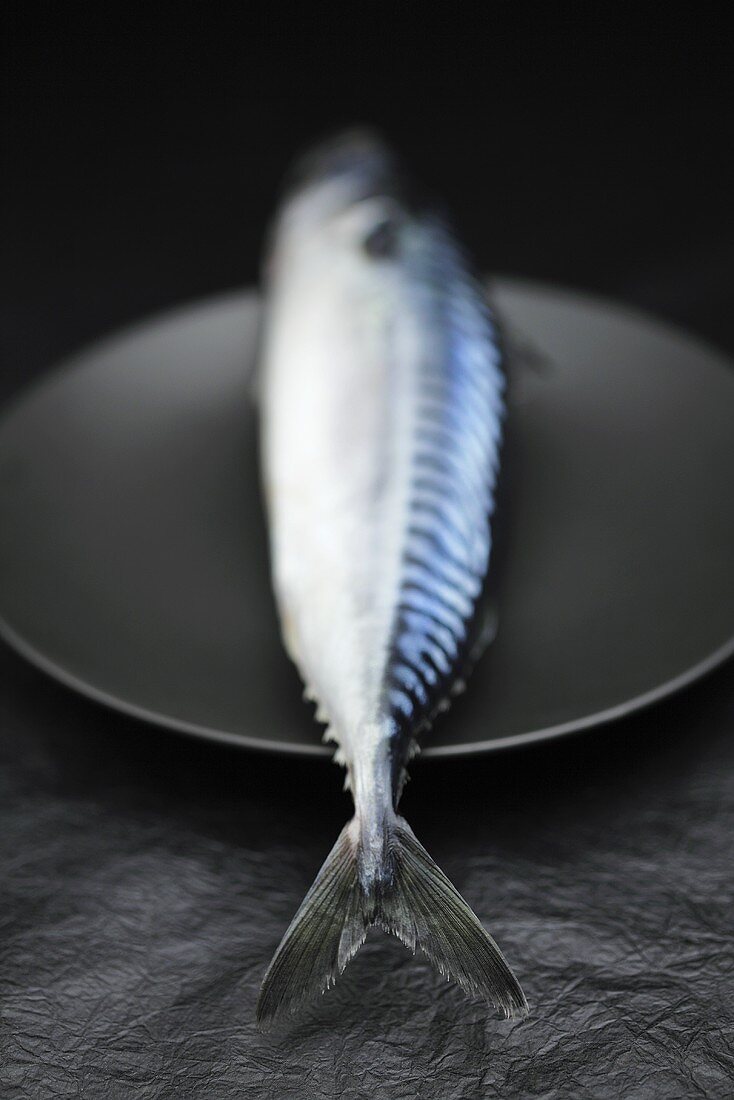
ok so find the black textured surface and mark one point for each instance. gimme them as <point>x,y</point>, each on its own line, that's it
<point>147,880</point>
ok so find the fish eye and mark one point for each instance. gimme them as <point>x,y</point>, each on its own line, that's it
<point>382,239</point>
<point>374,225</point>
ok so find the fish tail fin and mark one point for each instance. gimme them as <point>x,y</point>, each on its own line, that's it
<point>402,891</point>
<point>325,933</point>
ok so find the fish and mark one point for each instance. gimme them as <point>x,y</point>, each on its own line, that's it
<point>383,401</point>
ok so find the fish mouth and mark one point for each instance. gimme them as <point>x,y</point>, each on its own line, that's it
<point>357,157</point>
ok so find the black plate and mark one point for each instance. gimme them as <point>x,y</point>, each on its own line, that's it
<point>133,555</point>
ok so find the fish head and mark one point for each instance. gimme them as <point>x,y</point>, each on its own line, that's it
<point>347,197</point>
<point>349,166</point>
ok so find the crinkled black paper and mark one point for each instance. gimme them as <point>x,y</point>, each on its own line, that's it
<point>147,878</point>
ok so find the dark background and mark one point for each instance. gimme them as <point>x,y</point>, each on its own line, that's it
<point>146,877</point>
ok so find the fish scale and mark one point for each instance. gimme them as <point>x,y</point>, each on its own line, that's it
<point>461,415</point>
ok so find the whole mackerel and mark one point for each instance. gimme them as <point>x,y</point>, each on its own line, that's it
<point>383,404</point>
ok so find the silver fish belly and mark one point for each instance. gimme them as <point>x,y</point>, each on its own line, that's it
<point>382,424</point>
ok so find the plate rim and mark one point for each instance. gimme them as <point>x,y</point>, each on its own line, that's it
<point>79,357</point>
<point>322,749</point>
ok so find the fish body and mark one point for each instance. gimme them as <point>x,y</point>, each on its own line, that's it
<point>383,401</point>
